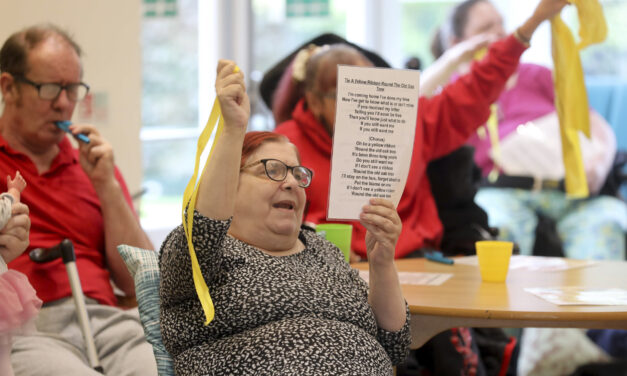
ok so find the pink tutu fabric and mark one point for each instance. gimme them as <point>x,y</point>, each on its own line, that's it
<point>19,303</point>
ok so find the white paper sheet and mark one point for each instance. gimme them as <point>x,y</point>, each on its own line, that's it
<point>373,141</point>
<point>576,295</point>
<point>534,263</point>
<point>415,278</point>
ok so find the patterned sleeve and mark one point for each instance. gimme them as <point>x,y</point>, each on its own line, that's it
<point>177,284</point>
<point>396,344</point>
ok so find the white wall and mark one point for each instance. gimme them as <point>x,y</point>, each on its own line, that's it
<point>109,34</point>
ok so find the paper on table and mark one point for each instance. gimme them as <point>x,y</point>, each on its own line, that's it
<point>534,263</point>
<point>416,278</point>
<point>575,295</point>
<point>375,122</point>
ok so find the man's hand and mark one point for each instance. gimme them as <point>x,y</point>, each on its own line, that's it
<point>96,157</point>
<point>14,236</point>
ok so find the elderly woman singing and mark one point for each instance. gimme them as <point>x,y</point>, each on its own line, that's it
<point>286,302</point>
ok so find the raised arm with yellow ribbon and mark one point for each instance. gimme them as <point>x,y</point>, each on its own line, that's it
<point>189,202</point>
<point>571,100</point>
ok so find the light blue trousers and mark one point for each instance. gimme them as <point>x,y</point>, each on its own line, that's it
<point>592,228</point>
<point>57,347</point>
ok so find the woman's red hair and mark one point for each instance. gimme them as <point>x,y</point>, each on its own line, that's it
<point>254,140</point>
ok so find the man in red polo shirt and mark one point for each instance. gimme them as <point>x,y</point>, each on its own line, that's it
<point>74,193</point>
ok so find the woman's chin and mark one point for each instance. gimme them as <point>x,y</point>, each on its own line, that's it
<point>286,228</point>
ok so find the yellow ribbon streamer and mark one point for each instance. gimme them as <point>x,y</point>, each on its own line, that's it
<point>571,99</point>
<point>493,131</point>
<point>492,126</point>
<point>189,202</point>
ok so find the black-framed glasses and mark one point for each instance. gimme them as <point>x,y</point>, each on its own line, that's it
<point>50,91</point>
<point>277,171</point>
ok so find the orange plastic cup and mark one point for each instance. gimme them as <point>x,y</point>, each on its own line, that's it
<point>494,256</point>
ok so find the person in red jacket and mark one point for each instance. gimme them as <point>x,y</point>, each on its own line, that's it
<point>444,123</point>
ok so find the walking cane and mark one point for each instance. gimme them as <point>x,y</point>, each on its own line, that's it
<point>65,250</point>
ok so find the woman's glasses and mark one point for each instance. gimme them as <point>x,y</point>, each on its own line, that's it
<point>277,171</point>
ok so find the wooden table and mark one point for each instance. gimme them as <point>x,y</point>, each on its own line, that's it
<point>465,301</point>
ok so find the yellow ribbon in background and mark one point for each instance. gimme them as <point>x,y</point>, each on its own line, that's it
<point>189,202</point>
<point>492,126</point>
<point>571,99</point>
<point>493,132</point>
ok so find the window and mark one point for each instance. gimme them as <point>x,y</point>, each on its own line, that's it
<point>169,108</point>
<point>610,57</point>
<point>419,21</point>
<point>277,34</point>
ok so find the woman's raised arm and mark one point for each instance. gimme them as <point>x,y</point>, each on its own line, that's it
<point>218,185</point>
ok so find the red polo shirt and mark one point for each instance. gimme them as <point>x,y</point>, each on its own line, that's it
<point>63,204</point>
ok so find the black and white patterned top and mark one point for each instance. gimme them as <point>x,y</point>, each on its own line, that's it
<point>302,314</point>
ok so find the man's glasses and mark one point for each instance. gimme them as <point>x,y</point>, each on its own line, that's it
<point>50,91</point>
<point>277,171</point>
